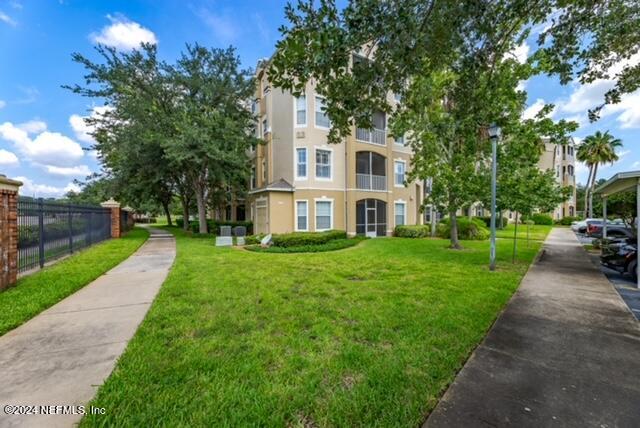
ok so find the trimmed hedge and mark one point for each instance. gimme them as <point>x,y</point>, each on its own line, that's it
<point>213,226</point>
<point>539,219</point>
<point>417,231</point>
<point>566,221</point>
<point>468,229</point>
<point>336,244</point>
<point>487,221</point>
<point>299,239</point>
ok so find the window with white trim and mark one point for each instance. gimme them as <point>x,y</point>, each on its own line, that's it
<point>301,162</point>
<point>322,119</point>
<point>324,215</point>
<point>301,111</point>
<point>399,173</point>
<point>253,177</point>
<point>400,213</point>
<point>264,171</point>
<point>400,140</point>
<point>302,216</point>
<point>323,163</point>
<point>265,127</point>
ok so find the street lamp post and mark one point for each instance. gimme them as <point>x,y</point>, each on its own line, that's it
<point>494,134</point>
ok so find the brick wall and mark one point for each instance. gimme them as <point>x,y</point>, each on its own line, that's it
<point>8,238</point>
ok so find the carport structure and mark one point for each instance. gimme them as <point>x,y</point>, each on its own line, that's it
<point>621,182</point>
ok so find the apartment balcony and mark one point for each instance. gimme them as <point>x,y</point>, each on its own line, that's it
<point>371,182</point>
<point>373,136</point>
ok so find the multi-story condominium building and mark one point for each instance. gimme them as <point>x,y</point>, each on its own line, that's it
<point>300,182</point>
<point>560,158</point>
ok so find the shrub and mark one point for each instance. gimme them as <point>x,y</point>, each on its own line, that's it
<point>299,239</point>
<point>540,219</point>
<point>336,244</point>
<point>566,221</point>
<point>417,231</point>
<point>213,226</point>
<point>473,229</point>
<point>254,239</point>
<point>487,221</point>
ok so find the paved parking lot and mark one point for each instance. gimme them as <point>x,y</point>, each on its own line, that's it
<point>625,286</point>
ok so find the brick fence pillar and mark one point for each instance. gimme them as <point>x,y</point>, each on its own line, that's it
<point>115,217</point>
<point>8,231</point>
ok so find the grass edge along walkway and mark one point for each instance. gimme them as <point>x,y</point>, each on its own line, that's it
<point>34,293</point>
<point>322,339</point>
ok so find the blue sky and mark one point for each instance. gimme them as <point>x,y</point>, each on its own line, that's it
<point>41,131</point>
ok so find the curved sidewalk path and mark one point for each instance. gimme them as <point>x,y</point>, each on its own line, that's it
<point>565,352</point>
<point>64,354</point>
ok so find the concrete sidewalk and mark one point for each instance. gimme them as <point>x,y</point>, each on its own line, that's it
<point>63,355</point>
<point>565,352</point>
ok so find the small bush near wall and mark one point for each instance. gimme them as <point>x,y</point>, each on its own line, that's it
<point>566,221</point>
<point>417,231</point>
<point>214,225</point>
<point>473,229</point>
<point>487,221</point>
<point>336,244</point>
<point>539,219</point>
<point>299,239</point>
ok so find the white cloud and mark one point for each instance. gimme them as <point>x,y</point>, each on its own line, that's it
<point>123,34</point>
<point>30,188</point>
<point>7,158</point>
<point>3,104</point>
<point>590,95</point>
<point>531,111</point>
<point>222,25</point>
<point>7,19</point>
<point>48,148</point>
<point>74,171</point>
<point>522,85</point>
<point>81,129</point>
<point>636,164</point>
<point>33,126</point>
<point>521,53</point>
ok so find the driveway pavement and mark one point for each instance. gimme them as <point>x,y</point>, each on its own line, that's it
<point>565,352</point>
<point>61,357</point>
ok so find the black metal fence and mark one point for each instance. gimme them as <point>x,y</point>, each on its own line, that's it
<point>48,230</point>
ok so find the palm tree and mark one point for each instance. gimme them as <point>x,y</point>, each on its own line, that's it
<point>583,154</point>
<point>597,149</point>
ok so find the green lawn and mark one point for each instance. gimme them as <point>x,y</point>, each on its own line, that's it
<point>366,336</point>
<point>41,290</point>
<point>537,232</point>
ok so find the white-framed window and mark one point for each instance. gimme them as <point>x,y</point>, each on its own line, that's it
<point>264,171</point>
<point>301,111</point>
<point>400,140</point>
<point>323,164</point>
<point>265,127</point>
<point>301,163</point>
<point>399,169</point>
<point>266,89</point>
<point>400,213</point>
<point>302,215</point>
<point>253,177</point>
<point>324,215</point>
<point>322,119</point>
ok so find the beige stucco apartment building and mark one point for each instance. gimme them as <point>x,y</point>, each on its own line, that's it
<point>561,159</point>
<point>300,182</point>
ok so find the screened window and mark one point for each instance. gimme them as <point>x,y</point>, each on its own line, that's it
<point>400,213</point>
<point>324,214</point>
<point>253,177</point>
<point>301,163</point>
<point>323,163</point>
<point>302,215</point>
<point>399,169</point>
<point>265,127</point>
<point>400,140</point>
<point>322,119</point>
<point>301,111</point>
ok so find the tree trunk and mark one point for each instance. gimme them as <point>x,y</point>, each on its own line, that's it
<point>185,213</point>
<point>165,207</point>
<point>586,193</point>
<point>515,239</point>
<point>202,209</point>
<point>593,185</point>
<point>433,221</point>
<point>455,243</point>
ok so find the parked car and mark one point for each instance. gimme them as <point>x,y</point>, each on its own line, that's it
<point>621,255</point>
<point>595,225</point>
<point>613,231</point>
<point>581,226</point>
